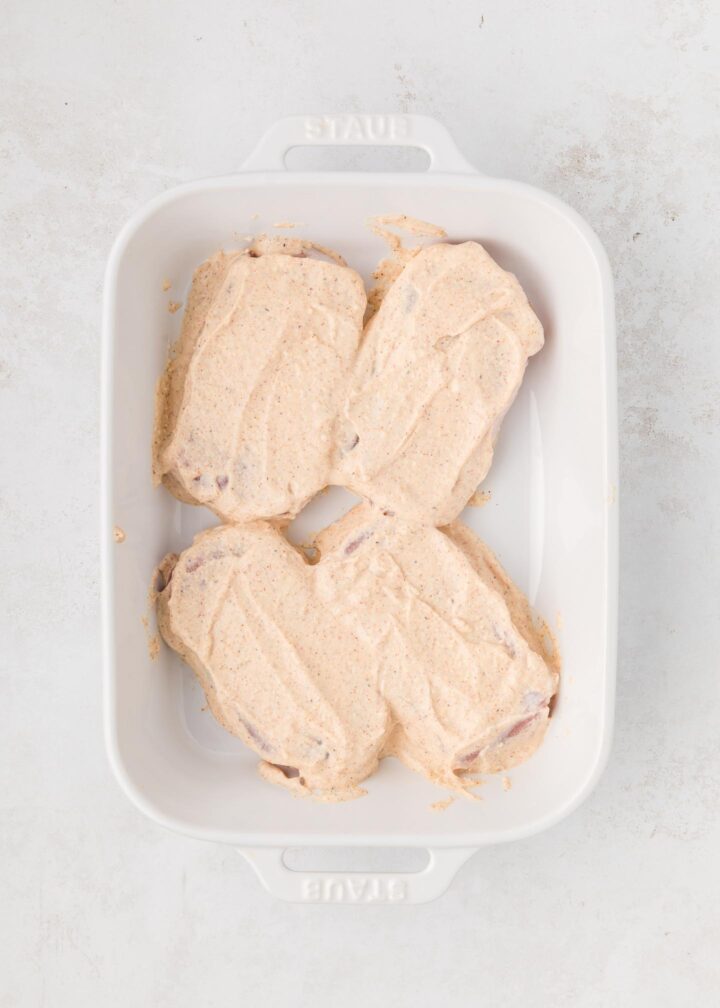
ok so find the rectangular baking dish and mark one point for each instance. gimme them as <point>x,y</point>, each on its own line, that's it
<point>552,517</point>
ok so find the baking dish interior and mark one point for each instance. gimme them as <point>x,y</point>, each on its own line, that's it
<point>550,518</point>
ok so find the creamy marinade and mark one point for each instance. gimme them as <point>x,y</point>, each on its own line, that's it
<point>440,363</point>
<point>268,398</point>
<point>403,640</point>
<point>247,407</point>
<point>395,642</point>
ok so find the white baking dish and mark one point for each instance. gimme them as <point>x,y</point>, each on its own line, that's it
<point>552,517</point>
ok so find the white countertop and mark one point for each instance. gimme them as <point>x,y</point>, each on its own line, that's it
<point>612,107</point>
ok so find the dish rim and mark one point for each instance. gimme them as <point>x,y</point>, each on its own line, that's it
<point>245,179</point>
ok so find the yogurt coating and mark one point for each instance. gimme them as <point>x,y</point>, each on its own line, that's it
<point>440,364</point>
<point>392,644</point>
<point>247,409</point>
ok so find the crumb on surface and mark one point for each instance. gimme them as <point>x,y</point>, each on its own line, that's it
<point>174,306</point>
<point>444,803</point>
<point>287,224</point>
<point>264,244</point>
<point>480,498</point>
<point>156,582</point>
<point>389,268</point>
<point>410,225</point>
<point>167,284</point>
<point>469,783</point>
<point>118,534</point>
<point>506,783</point>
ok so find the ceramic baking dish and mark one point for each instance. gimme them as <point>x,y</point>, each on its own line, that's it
<point>552,517</point>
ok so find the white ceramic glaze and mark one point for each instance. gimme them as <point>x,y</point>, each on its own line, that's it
<point>552,516</point>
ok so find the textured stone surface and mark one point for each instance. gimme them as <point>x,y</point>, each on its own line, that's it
<point>612,107</point>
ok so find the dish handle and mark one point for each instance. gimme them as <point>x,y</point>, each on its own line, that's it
<point>356,887</point>
<point>358,131</point>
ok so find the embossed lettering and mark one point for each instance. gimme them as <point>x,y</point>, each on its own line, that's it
<point>314,127</point>
<point>356,128</point>
<point>362,889</point>
<point>397,891</point>
<point>375,892</point>
<point>312,889</point>
<point>357,888</point>
<point>380,127</point>
<point>335,891</point>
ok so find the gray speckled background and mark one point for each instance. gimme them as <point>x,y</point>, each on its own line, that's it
<point>615,108</point>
